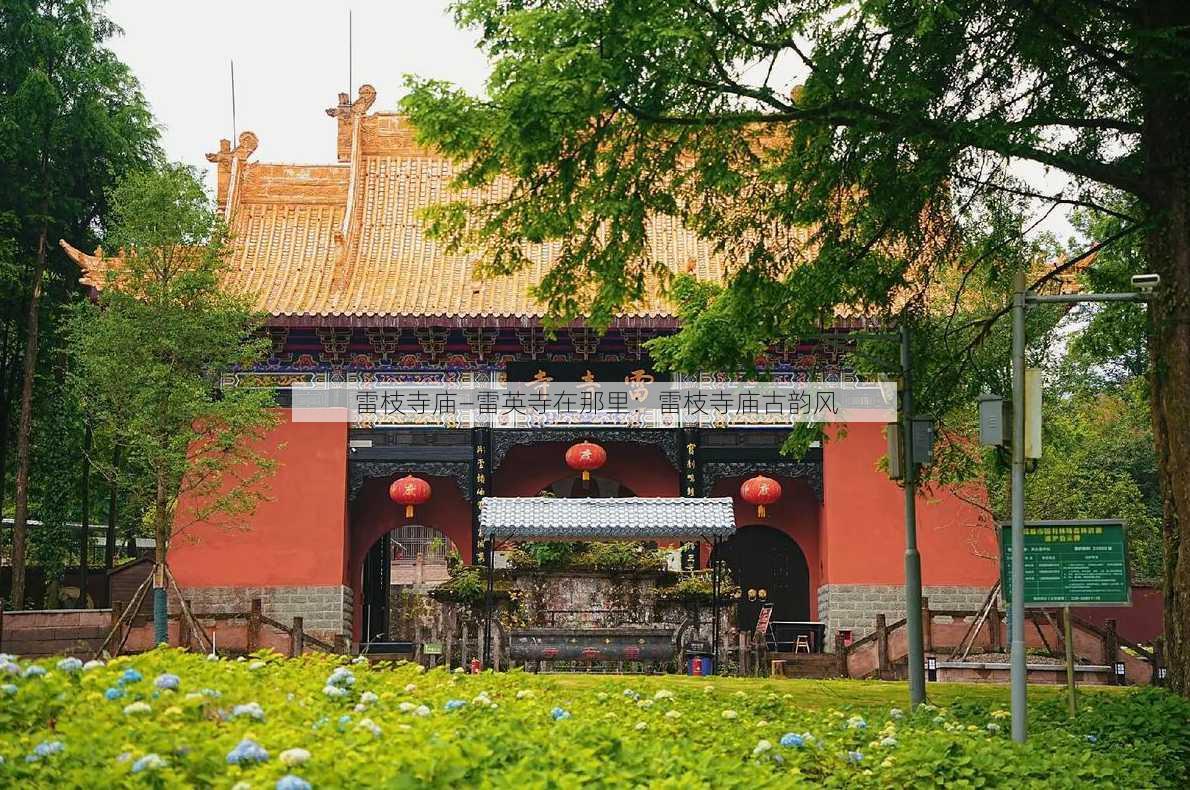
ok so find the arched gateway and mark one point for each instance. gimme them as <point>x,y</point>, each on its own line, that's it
<point>769,567</point>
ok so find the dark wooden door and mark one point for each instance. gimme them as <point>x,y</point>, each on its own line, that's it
<point>769,567</point>
<point>377,570</point>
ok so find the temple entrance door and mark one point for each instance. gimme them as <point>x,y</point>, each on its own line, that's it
<point>377,580</point>
<point>769,567</point>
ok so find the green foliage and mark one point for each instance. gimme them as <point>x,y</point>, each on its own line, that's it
<point>695,587</point>
<point>148,357</point>
<point>620,731</point>
<point>465,585</point>
<point>72,122</point>
<point>593,555</point>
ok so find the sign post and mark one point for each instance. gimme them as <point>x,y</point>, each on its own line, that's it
<point>1069,563</point>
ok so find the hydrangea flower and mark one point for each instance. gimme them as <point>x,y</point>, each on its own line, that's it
<point>9,689</point>
<point>70,664</point>
<point>856,723</point>
<point>854,757</point>
<point>406,707</point>
<point>48,748</point>
<point>640,725</point>
<point>368,697</point>
<point>673,714</point>
<point>291,782</point>
<point>939,719</point>
<point>664,694</point>
<point>421,710</point>
<point>761,747</point>
<point>370,726</point>
<point>730,714</point>
<point>1092,738</point>
<point>250,709</point>
<point>454,704</point>
<point>212,693</point>
<point>708,689</point>
<point>341,677</point>
<point>257,664</point>
<point>33,671</point>
<point>94,663</point>
<point>888,741</point>
<point>137,708</point>
<point>113,693</point>
<point>791,740</point>
<point>631,694</point>
<point>167,682</point>
<point>130,675</point>
<point>150,762</point>
<point>525,694</point>
<point>993,727</point>
<point>360,660</point>
<point>896,713</point>
<point>292,757</point>
<point>558,714</point>
<point>247,751</point>
<point>410,688</point>
<point>644,703</point>
<point>9,668</point>
<point>335,692</point>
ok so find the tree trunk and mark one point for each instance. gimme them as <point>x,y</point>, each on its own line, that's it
<point>109,543</point>
<point>25,428</point>
<point>161,529</point>
<point>1167,178</point>
<point>85,527</point>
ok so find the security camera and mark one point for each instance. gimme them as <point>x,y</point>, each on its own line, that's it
<point>1145,283</point>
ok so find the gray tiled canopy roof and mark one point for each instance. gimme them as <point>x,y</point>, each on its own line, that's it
<point>636,518</point>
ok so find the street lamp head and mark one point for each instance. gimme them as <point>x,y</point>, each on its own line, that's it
<point>1145,283</point>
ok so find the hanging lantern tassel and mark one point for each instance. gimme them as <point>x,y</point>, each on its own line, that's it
<point>586,475</point>
<point>409,511</point>
<point>760,491</point>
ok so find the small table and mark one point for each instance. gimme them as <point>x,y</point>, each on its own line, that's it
<point>782,634</point>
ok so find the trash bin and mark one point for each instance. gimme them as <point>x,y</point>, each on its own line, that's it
<point>699,659</point>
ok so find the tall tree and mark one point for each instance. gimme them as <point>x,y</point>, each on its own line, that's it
<point>71,120</point>
<point>147,360</point>
<point>838,153</point>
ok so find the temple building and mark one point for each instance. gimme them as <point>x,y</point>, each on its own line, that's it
<point>337,257</point>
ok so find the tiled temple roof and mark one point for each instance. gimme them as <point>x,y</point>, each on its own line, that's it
<point>344,240</point>
<point>634,518</point>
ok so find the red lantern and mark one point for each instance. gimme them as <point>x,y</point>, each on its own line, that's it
<point>586,456</point>
<point>409,491</point>
<point>760,491</point>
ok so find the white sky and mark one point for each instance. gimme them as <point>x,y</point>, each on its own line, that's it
<point>290,62</point>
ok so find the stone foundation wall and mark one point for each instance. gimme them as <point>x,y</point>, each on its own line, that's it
<point>855,606</point>
<point>325,611</point>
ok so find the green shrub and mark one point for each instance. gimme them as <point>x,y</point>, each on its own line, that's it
<point>518,730</point>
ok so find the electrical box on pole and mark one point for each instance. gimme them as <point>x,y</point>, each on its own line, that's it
<point>995,418</point>
<point>924,435</point>
<point>896,467</point>
<point>1033,413</point>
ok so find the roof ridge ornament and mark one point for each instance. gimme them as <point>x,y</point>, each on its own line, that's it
<point>227,162</point>
<point>345,112</point>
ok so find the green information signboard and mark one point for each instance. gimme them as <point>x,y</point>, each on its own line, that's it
<point>1070,563</point>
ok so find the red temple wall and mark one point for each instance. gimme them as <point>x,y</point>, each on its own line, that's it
<point>296,536</point>
<point>864,527</point>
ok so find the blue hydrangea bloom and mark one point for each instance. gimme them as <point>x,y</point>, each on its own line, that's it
<point>341,677</point>
<point>113,693</point>
<point>71,664</point>
<point>454,704</point>
<point>130,675</point>
<point>9,668</point>
<point>291,782</point>
<point>792,740</point>
<point>559,713</point>
<point>246,752</point>
<point>249,709</point>
<point>9,689</point>
<point>34,671</point>
<point>854,757</point>
<point>149,762</point>
<point>1092,738</point>
<point>167,682</point>
<point>45,749</point>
